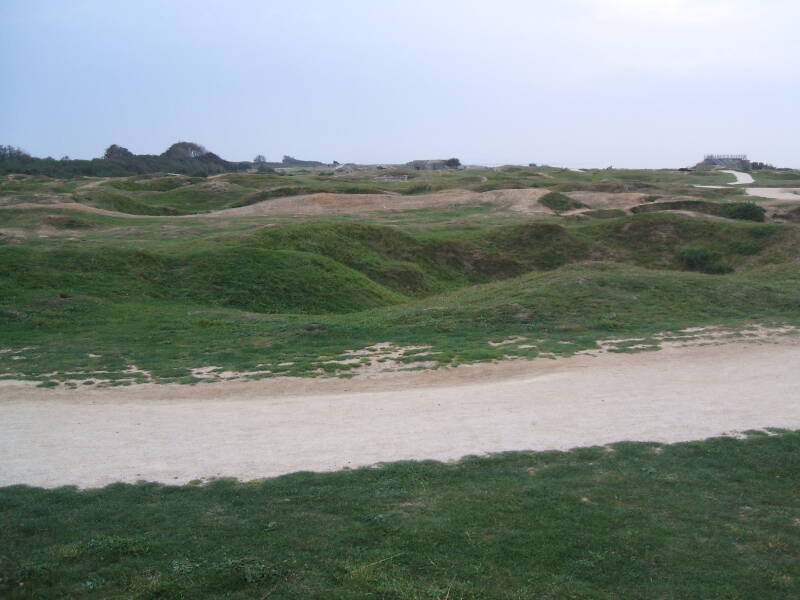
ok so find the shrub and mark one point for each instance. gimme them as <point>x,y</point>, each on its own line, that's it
<point>698,258</point>
<point>560,202</point>
<point>745,211</point>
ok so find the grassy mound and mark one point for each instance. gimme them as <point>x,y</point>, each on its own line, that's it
<point>577,304</point>
<point>413,265</point>
<point>654,240</point>
<point>152,183</point>
<point>422,264</point>
<point>171,306</point>
<point>246,278</point>
<point>119,202</point>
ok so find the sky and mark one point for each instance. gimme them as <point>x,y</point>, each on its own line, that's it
<point>579,83</point>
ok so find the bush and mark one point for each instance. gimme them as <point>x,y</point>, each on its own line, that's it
<point>698,258</point>
<point>745,211</point>
<point>559,202</point>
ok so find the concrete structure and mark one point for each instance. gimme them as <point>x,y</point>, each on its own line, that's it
<point>735,162</point>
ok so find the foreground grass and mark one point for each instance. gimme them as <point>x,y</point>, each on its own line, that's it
<point>704,520</point>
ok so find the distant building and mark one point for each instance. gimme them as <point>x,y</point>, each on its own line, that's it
<point>434,165</point>
<point>736,162</point>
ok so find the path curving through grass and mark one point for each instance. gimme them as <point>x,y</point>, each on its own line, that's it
<point>254,429</point>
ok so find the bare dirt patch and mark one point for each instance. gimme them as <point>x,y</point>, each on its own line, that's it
<point>791,194</point>
<point>522,200</point>
<point>607,200</point>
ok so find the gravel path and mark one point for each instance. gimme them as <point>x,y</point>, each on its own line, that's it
<point>175,434</point>
<point>741,178</point>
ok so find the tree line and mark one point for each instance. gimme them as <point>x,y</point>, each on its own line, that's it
<point>186,158</point>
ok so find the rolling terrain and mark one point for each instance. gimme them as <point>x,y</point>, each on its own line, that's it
<point>161,334</point>
<point>289,285</point>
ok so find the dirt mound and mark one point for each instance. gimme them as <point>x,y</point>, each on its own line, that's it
<point>623,200</point>
<point>216,186</point>
<point>521,200</point>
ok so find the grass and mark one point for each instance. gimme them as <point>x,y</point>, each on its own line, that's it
<point>287,300</point>
<point>119,202</point>
<point>78,336</point>
<point>777,178</point>
<point>702,520</point>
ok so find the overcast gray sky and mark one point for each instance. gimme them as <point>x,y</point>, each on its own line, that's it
<point>633,83</point>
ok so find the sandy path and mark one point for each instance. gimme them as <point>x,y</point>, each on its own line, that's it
<point>741,178</point>
<point>520,200</point>
<point>775,193</point>
<point>174,434</point>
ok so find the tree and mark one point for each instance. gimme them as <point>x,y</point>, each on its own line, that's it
<point>260,158</point>
<point>114,152</point>
<point>12,153</point>
<point>185,150</point>
<point>452,163</point>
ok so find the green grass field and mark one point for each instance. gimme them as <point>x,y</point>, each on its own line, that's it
<point>697,521</point>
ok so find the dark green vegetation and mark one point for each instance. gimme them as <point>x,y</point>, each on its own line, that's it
<point>181,157</point>
<point>559,202</point>
<point>699,258</point>
<point>694,521</point>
